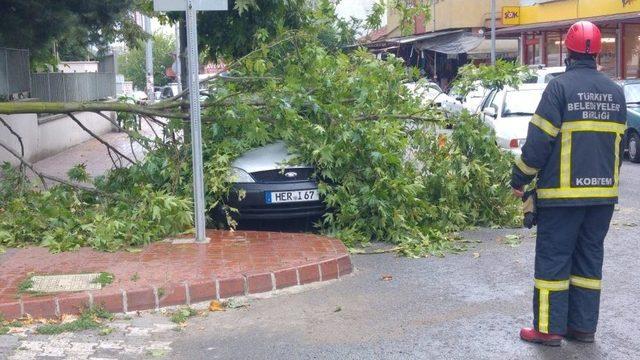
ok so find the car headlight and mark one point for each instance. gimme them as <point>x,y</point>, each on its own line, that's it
<point>240,176</point>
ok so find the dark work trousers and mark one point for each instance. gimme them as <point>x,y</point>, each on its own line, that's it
<point>568,269</point>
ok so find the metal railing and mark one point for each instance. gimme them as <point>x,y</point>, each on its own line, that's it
<point>14,72</point>
<point>69,87</point>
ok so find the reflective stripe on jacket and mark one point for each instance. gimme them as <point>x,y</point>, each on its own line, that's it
<point>574,143</point>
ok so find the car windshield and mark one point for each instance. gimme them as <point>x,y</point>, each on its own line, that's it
<point>521,102</point>
<point>632,93</point>
<point>552,76</point>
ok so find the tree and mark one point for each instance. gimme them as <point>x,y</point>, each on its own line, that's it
<point>44,26</point>
<point>234,33</point>
<point>132,63</point>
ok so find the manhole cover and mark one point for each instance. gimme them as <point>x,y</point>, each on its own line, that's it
<point>64,283</point>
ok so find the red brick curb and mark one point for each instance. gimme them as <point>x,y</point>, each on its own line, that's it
<point>187,293</point>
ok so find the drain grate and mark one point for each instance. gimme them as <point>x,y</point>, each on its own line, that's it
<point>65,283</point>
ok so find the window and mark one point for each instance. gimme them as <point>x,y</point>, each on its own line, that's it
<point>632,51</point>
<point>521,102</point>
<point>554,49</point>
<point>488,100</point>
<point>608,56</point>
<point>632,93</point>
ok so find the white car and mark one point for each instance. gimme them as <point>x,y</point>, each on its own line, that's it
<point>429,92</point>
<point>542,75</point>
<point>509,111</point>
<point>471,102</point>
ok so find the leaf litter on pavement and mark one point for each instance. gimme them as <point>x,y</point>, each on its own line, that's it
<point>512,240</point>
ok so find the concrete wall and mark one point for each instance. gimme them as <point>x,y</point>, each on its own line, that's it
<point>455,14</point>
<point>45,137</point>
<point>534,12</point>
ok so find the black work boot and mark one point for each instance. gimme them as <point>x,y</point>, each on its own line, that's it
<point>580,336</point>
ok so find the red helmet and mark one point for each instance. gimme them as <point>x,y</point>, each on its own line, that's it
<point>585,38</point>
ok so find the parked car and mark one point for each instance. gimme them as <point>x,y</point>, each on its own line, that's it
<point>632,136</point>
<point>140,95</point>
<point>430,92</point>
<point>471,102</point>
<point>542,74</point>
<point>509,111</point>
<point>169,91</point>
<point>273,189</point>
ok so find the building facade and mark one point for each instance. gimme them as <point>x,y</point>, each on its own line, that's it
<point>455,34</point>
<point>540,25</point>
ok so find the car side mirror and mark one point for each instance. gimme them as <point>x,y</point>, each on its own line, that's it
<point>490,112</point>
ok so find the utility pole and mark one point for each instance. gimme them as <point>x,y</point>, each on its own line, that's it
<point>493,32</point>
<point>149,61</point>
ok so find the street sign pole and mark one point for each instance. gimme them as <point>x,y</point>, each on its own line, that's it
<point>191,8</point>
<point>196,132</point>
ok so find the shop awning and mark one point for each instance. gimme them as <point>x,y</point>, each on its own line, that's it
<point>413,39</point>
<point>455,43</point>
<point>504,48</point>
<point>564,24</point>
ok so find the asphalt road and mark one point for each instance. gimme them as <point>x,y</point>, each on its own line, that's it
<point>459,307</point>
<point>467,306</point>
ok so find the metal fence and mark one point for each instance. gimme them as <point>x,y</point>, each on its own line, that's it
<point>67,87</point>
<point>14,72</point>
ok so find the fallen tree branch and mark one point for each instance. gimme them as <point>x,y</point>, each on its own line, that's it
<point>396,116</point>
<point>44,176</point>
<point>132,136</point>
<point>24,162</point>
<point>75,107</point>
<point>235,63</point>
<point>6,124</point>
<point>109,146</point>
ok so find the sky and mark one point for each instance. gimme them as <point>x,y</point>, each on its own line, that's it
<point>355,8</point>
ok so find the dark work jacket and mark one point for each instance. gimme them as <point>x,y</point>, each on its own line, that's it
<point>574,141</point>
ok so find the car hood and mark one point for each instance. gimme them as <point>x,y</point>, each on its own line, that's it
<point>634,110</point>
<point>513,127</point>
<point>270,157</point>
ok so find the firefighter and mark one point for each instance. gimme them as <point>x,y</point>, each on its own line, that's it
<point>574,150</point>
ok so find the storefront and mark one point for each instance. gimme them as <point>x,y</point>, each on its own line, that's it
<point>543,43</point>
<point>439,55</point>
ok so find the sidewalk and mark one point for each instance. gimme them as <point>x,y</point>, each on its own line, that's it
<point>168,272</point>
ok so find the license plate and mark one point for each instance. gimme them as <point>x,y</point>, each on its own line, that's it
<point>278,197</point>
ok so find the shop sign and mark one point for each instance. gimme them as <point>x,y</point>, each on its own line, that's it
<point>511,15</point>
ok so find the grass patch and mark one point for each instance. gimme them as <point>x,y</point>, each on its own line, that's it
<point>104,279</point>
<point>4,330</point>
<point>26,285</point>
<point>135,277</point>
<point>182,315</point>
<point>89,319</point>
